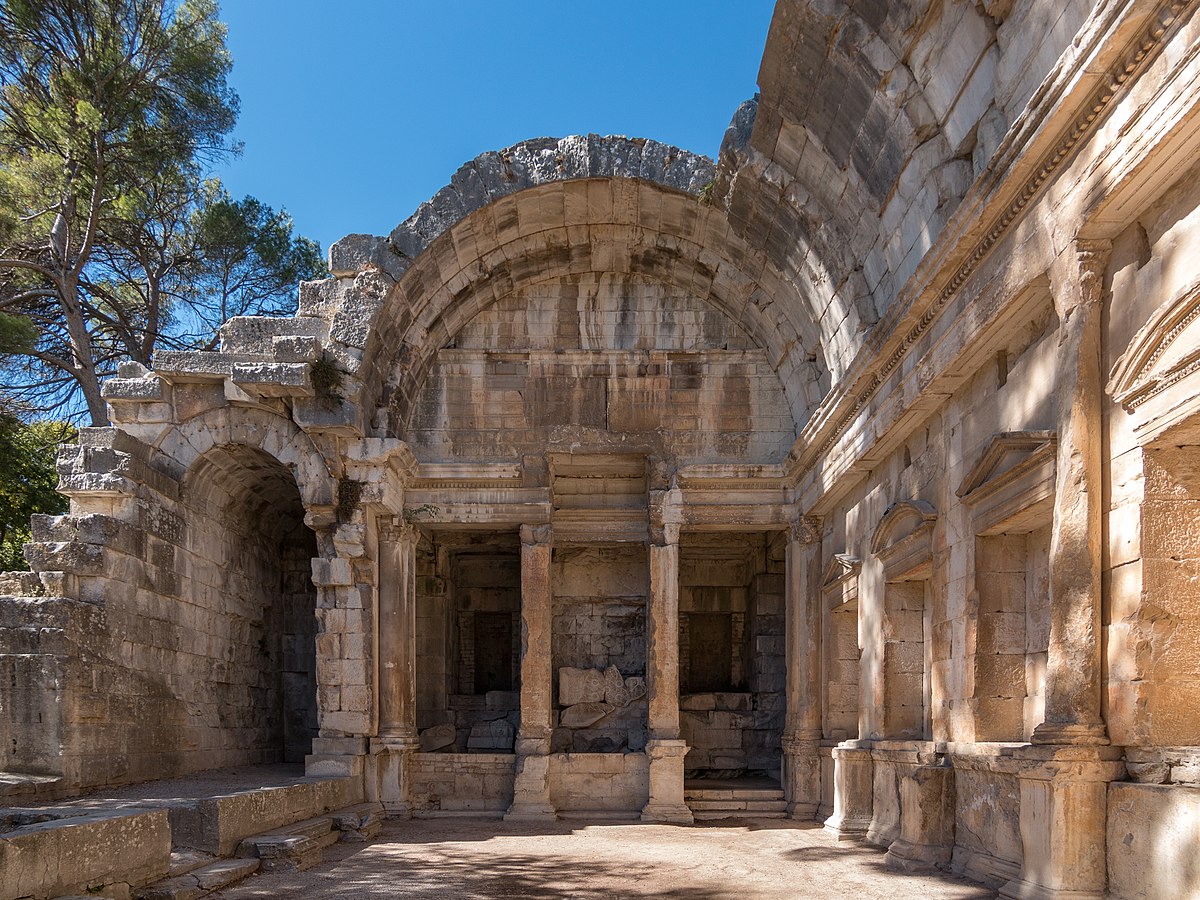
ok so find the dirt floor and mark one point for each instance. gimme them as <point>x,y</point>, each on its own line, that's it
<point>471,858</point>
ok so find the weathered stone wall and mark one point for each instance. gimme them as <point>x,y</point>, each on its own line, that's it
<point>731,721</point>
<point>478,783</point>
<point>599,620</point>
<point>604,359</point>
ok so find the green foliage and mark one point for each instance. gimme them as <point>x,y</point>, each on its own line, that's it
<point>112,243</point>
<point>326,378</point>
<point>27,481</point>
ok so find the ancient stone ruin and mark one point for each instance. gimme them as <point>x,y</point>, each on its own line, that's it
<point>860,469</point>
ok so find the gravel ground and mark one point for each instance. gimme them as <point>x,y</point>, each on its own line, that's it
<point>472,858</point>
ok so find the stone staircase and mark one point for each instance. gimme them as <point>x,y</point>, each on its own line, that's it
<point>179,839</point>
<point>300,845</point>
<point>727,799</point>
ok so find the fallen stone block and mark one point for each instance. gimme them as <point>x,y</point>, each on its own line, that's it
<point>580,686</point>
<point>359,823</point>
<point>581,715</point>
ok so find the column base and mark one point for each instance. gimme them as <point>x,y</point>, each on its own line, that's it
<point>1025,890</point>
<point>531,790</point>
<point>665,813</point>
<point>926,820</point>
<point>388,778</point>
<point>801,776</point>
<point>1070,735</point>
<point>853,793</point>
<point>846,831</point>
<point>1063,821</point>
<point>905,856</point>
<point>665,803</point>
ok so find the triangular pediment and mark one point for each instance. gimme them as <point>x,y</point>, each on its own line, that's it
<point>841,567</point>
<point>1008,454</point>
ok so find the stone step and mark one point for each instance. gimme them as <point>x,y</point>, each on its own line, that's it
<point>301,845</point>
<point>185,860</point>
<point>733,794</point>
<point>753,806</point>
<point>735,814</point>
<point>359,823</point>
<point>284,852</point>
<point>200,881</point>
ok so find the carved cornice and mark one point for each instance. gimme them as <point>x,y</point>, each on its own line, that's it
<point>1012,484</point>
<point>839,581</point>
<point>1091,111</point>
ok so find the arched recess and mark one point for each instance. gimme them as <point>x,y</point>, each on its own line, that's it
<point>596,227</point>
<point>903,544</point>
<point>247,479</point>
<point>252,606</point>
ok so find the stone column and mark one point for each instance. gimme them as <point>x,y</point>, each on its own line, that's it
<point>802,729</point>
<point>664,748</point>
<point>397,684</point>
<point>1065,773</point>
<point>1073,669</point>
<point>531,790</point>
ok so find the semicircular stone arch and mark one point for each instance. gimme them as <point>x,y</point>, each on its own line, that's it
<point>272,436</point>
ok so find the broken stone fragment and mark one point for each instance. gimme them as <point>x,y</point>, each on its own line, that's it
<point>495,735</point>
<point>615,693</point>
<point>437,737</point>
<point>581,715</point>
<point>580,686</point>
<point>635,687</point>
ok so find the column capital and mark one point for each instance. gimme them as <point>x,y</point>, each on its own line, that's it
<point>537,534</point>
<point>396,530</point>
<point>664,534</point>
<point>805,530</point>
<point>1092,258</point>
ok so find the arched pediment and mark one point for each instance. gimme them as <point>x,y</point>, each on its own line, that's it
<point>903,540</point>
<point>1164,352</point>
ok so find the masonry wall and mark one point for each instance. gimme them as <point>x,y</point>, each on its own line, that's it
<point>602,358</point>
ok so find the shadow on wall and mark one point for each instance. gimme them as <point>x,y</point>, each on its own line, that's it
<point>250,558</point>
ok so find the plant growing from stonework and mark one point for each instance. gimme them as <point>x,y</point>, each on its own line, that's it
<point>112,242</point>
<point>327,378</point>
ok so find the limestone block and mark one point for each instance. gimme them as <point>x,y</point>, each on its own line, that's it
<point>1153,832</point>
<point>437,737</point>
<point>581,715</point>
<point>64,856</point>
<point>580,686</point>
<point>495,735</point>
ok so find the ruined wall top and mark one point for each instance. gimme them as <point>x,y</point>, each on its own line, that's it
<point>496,174</point>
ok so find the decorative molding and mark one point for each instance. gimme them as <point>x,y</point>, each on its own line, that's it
<point>903,540</point>
<point>1002,446</point>
<point>839,581</point>
<point>1011,486</point>
<point>1118,75</point>
<point>806,530</point>
<point>1147,368</point>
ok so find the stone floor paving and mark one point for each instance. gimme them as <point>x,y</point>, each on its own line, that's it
<point>471,858</point>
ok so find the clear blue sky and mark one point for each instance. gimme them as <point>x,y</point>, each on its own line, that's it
<point>355,111</point>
